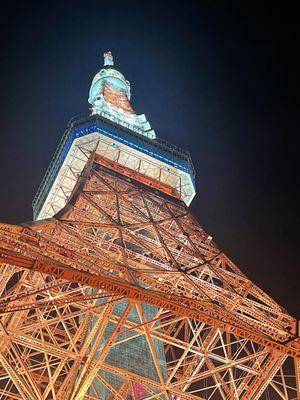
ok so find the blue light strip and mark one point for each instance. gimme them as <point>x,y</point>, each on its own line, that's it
<point>93,128</point>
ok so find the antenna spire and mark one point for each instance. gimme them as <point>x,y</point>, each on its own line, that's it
<point>108,58</point>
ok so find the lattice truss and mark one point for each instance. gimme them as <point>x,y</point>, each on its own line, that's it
<point>122,295</point>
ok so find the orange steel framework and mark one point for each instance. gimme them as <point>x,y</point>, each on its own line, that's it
<point>122,238</point>
<point>116,98</point>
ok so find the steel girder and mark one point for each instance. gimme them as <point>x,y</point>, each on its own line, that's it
<point>117,246</point>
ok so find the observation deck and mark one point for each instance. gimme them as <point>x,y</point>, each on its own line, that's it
<point>155,162</point>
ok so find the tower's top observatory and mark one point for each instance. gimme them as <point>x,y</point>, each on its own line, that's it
<point>110,96</point>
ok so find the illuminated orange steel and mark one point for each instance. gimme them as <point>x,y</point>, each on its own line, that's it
<point>119,240</point>
<point>117,98</point>
<point>136,175</point>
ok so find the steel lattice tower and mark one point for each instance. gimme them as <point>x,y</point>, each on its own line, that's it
<point>115,291</point>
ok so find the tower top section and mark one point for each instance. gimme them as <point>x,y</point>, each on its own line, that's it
<point>123,143</point>
<point>110,95</point>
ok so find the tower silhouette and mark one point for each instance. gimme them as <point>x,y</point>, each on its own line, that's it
<point>115,291</point>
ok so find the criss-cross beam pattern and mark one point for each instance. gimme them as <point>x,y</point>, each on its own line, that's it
<point>121,267</point>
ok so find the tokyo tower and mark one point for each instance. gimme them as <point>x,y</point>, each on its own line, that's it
<point>116,292</point>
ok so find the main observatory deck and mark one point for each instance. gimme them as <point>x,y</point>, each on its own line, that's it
<point>164,164</point>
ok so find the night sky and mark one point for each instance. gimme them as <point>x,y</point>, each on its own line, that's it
<point>218,80</point>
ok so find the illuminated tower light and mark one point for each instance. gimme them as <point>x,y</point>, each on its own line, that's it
<point>121,294</point>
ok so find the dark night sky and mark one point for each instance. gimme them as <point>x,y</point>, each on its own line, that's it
<point>219,80</point>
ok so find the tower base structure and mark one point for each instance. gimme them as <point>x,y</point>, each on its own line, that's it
<point>123,295</point>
